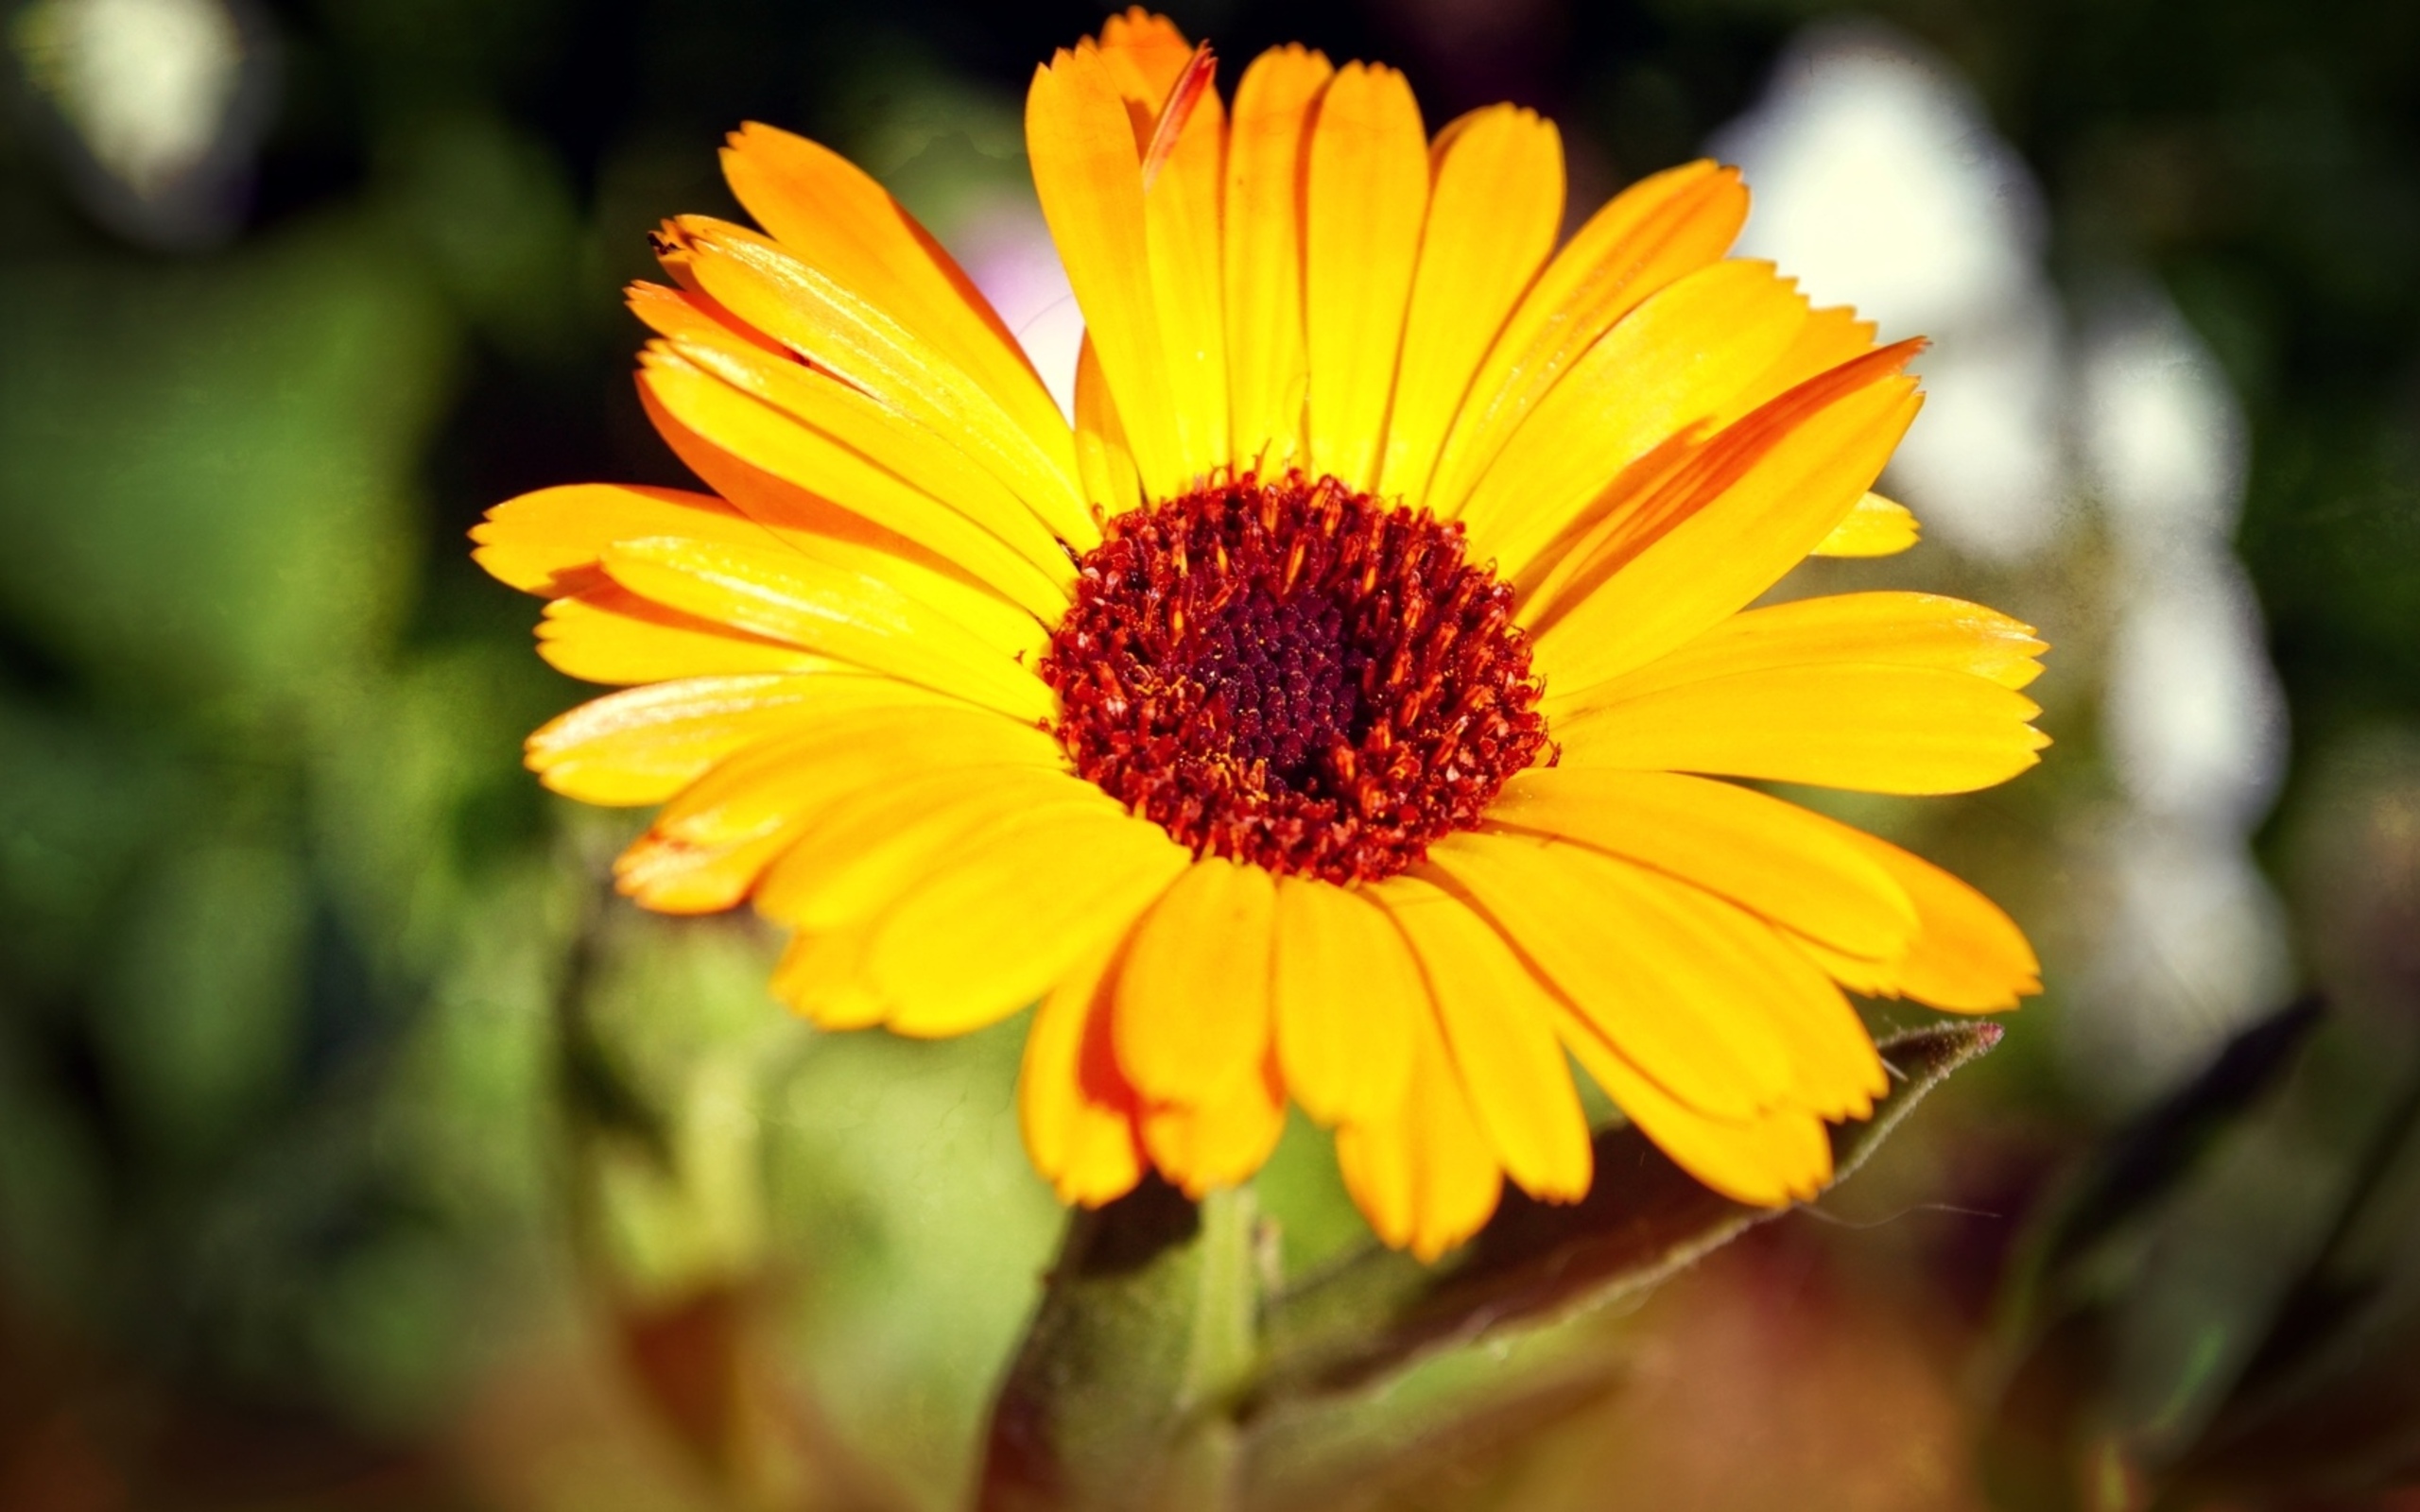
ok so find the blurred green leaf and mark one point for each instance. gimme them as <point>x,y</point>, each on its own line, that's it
<point>1152,1376</point>
<point>2330,1406</point>
<point>2135,1170</point>
<point>199,1005</point>
<point>74,812</point>
<point>1118,1397</point>
<point>1536,1260</point>
<point>207,472</point>
<point>2228,1293</point>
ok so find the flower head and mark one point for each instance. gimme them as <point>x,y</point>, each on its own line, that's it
<point>1340,710</point>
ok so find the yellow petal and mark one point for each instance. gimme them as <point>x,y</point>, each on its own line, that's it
<point>1344,989</point>
<point>897,731</point>
<point>1181,196</point>
<point>841,332</point>
<point>1012,913</point>
<point>1667,365</point>
<point>713,841</point>
<point>1876,527</point>
<point>879,450</point>
<point>1267,369</point>
<point>1968,956</point>
<point>689,312</point>
<point>1656,230</point>
<point>821,979</point>
<point>1423,1174</point>
<point>1604,932</point>
<point>1366,192</point>
<point>548,541</point>
<point>1771,857</point>
<point>785,509</point>
<point>1493,213</point>
<point>1874,630</point>
<point>1499,1025</point>
<point>1193,999</point>
<point>861,858</point>
<point>1750,507</point>
<point>1859,975</point>
<point>675,876</point>
<point>1111,484</point>
<point>1687,952</point>
<point>848,610</point>
<point>1865,728</point>
<point>1075,1109</point>
<point>829,478</point>
<point>1222,1143</point>
<point>1146,51</point>
<point>1766,1162</point>
<point>610,634</point>
<point>835,218</point>
<point>1088,172</point>
<point>644,745</point>
<point>1830,337</point>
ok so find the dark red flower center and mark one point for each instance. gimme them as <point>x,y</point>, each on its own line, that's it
<point>1294,674</point>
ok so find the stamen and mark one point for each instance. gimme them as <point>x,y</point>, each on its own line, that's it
<point>1290,673</point>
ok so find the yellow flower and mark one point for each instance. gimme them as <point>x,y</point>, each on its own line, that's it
<point>1336,710</point>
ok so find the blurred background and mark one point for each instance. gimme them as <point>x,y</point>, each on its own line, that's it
<point>359,1150</point>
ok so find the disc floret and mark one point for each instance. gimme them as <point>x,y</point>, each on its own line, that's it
<point>1292,672</point>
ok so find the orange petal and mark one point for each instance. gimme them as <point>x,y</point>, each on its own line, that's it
<point>1088,172</point>
<point>1343,989</point>
<point>1666,366</point>
<point>1012,913</point>
<point>1968,956</point>
<point>1768,1161</point>
<point>1075,1109</point>
<point>1609,937</point>
<point>1876,527</point>
<point>1500,1025</point>
<point>644,745</point>
<point>826,478</point>
<point>863,856</point>
<point>834,604</point>
<point>1494,211</point>
<point>1771,857</point>
<point>1111,484</point>
<point>1424,1174</point>
<point>1267,369</point>
<point>842,333</point>
<point>1745,510</point>
<point>610,634</point>
<point>1868,729</point>
<point>1871,629</point>
<point>1366,192</point>
<point>548,541</point>
<point>835,218</point>
<point>1193,999</point>
<point>876,450</point>
<point>1656,230</point>
<point>1222,1143</point>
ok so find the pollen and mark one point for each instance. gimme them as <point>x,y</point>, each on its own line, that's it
<point>1291,673</point>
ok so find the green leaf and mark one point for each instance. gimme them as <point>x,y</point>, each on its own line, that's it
<point>1120,1397</point>
<point>1154,1377</point>
<point>1534,1261</point>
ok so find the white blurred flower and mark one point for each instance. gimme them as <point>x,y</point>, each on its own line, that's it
<point>2195,720</point>
<point>155,107</point>
<point>2161,430</point>
<point>1007,251</point>
<point>147,83</point>
<point>1878,181</point>
<point>2192,949</point>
